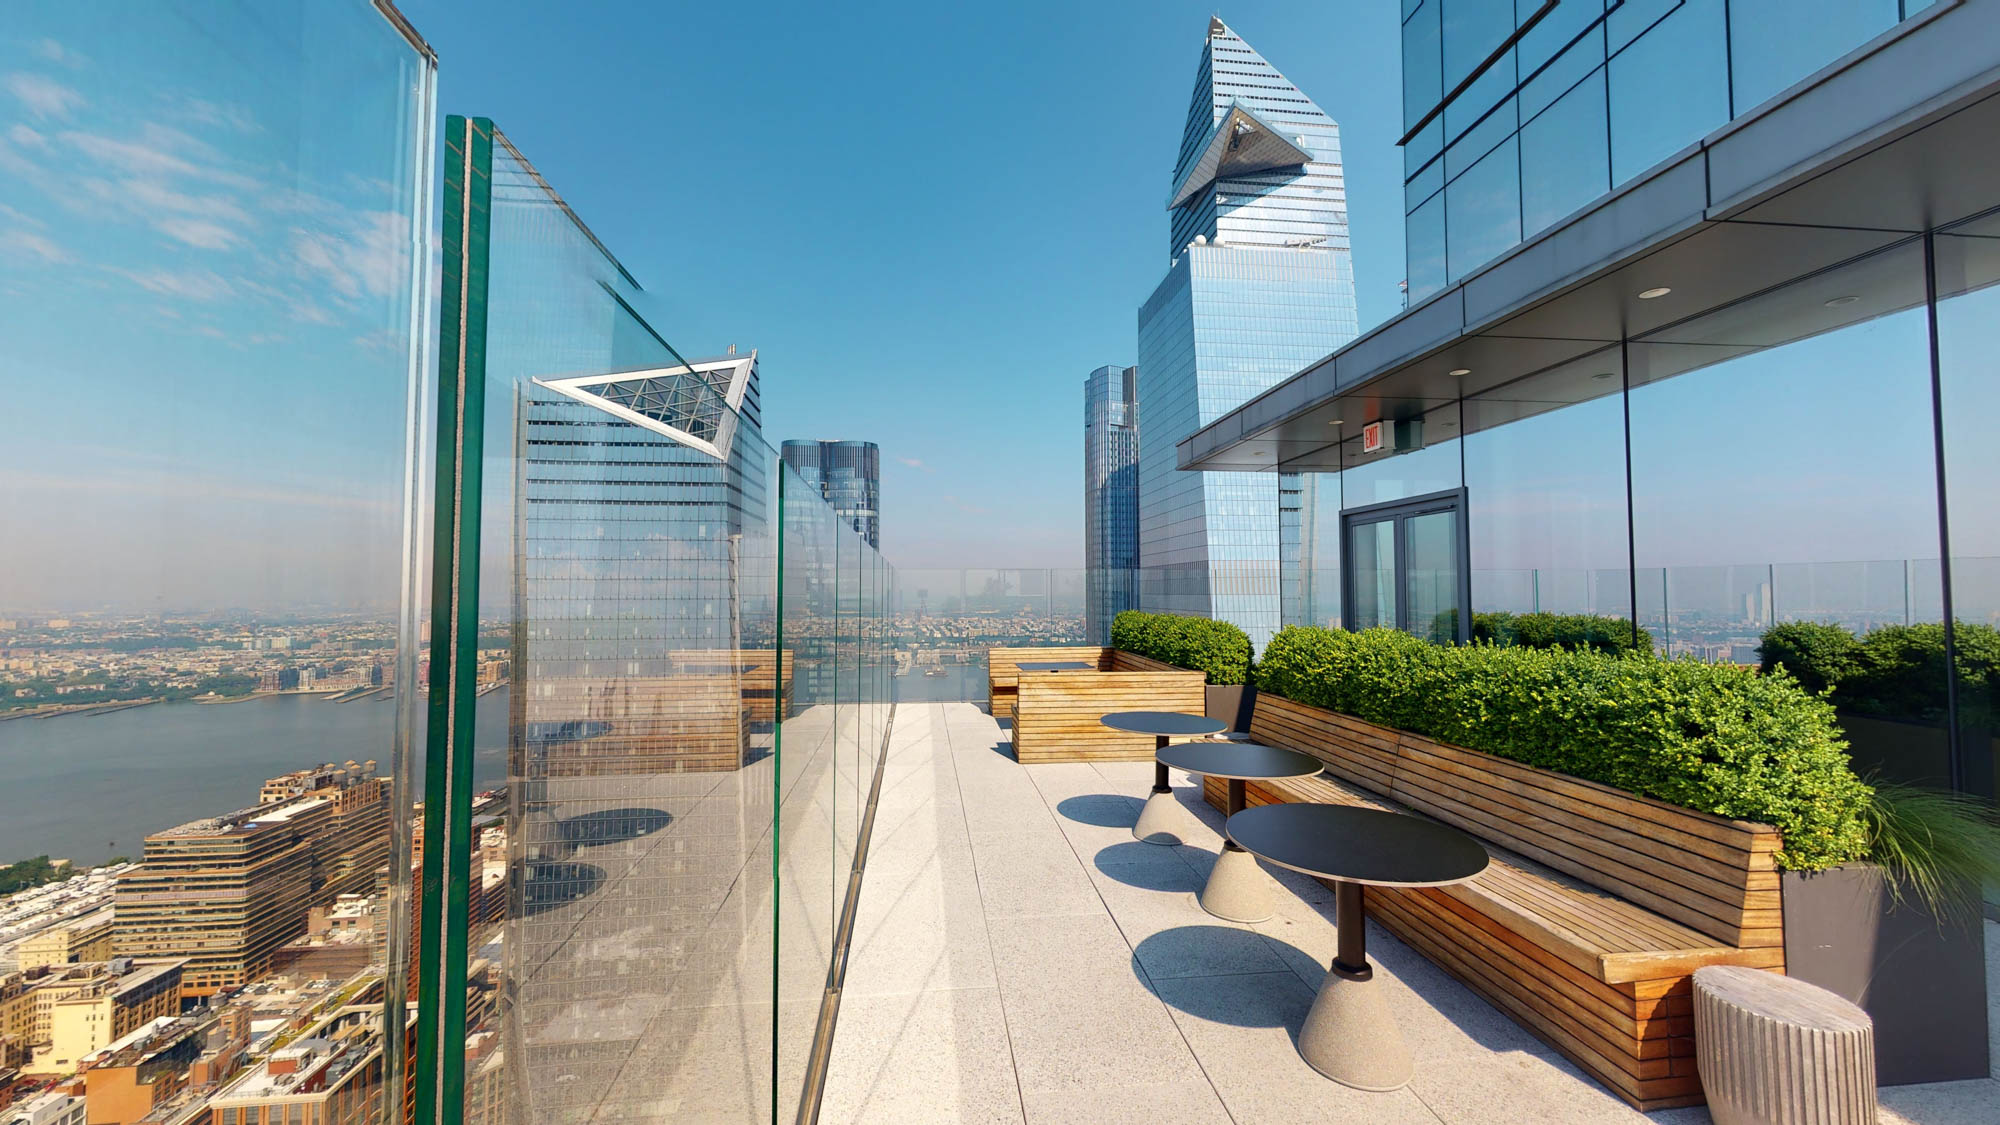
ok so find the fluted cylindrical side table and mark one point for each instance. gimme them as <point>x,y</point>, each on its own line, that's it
<point>1773,1050</point>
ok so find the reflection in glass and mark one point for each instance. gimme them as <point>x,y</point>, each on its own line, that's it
<point>1430,543</point>
<point>215,266</point>
<point>1776,43</point>
<point>1565,160</point>
<point>1668,88</point>
<point>1483,210</point>
<point>1371,553</point>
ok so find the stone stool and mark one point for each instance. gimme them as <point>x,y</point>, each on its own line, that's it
<point>1772,1050</point>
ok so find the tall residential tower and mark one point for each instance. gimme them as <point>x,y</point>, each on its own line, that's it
<point>1110,496</point>
<point>1259,285</point>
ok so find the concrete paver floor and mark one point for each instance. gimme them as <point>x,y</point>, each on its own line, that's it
<point>1018,957</point>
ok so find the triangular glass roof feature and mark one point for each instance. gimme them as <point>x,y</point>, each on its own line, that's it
<point>696,404</point>
<point>1241,143</point>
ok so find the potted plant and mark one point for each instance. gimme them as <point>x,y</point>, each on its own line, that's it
<point>1902,935</point>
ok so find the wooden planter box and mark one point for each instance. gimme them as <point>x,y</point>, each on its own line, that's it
<point>1597,908</point>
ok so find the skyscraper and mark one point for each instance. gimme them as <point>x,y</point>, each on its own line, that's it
<point>1260,284</point>
<point>848,474</point>
<point>1110,496</point>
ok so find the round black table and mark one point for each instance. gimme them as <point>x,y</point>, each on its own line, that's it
<point>1058,666</point>
<point>1162,725</point>
<point>1236,890</point>
<point>1349,1035</point>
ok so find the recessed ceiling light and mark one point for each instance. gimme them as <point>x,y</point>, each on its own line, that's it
<point>1258,453</point>
<point>1839,301</point>
<point>1604,375</point>
<point>1649,294</point>
<point>1461,371</point>
<point>1338,422</point>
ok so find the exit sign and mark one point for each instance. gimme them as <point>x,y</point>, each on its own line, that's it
<point>1371,437</point>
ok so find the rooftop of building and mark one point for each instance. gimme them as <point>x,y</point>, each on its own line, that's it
<point>311,1065</point>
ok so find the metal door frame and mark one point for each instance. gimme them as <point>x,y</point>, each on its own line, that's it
<point>1399,512</point>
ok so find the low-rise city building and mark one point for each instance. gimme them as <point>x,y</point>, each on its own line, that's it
<point>332,1075</point>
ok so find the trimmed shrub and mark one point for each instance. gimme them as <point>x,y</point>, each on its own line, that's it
<point>1818,656</point>
<point>1216,648</point>
<point>1714,738</point>
<point>1896,672</point>
<point>1561,630</point>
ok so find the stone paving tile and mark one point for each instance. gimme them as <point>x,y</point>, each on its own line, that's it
<point>928,1057</point>
<point>1022,958</point>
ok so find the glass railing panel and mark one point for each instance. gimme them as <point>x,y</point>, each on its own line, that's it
<point>215,271</point>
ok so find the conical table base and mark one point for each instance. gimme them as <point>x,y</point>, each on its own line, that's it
<point>1350,1037</point>
<point>1160,821</point>
<point>1238,890</point>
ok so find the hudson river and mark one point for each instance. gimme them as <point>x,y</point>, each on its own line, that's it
<point>88,787</point>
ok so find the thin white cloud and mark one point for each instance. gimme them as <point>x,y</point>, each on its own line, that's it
<point>365,261</point>
<point>192,285</point>
<point>44,97</point>
<point>26,244</point>
<point>199,233</point>
<point>55,52</point>
<point>968,509</point>
<point>915,463</point>
<point>26,137</point>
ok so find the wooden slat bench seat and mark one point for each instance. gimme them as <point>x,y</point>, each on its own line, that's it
<point>1597,908</point>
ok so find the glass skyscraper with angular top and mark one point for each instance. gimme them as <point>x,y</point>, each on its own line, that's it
<point>1259,284</point>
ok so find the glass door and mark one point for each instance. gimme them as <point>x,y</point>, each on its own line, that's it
<point>1406,568</point>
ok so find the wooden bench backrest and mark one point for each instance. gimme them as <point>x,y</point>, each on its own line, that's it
<point>1122,661</point>
<point>1056,714</point>
<point>1713,875</point>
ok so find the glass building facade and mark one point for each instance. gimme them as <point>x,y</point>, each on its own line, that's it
<point>1260,284</point>
<point>848,474</point>
<point>1662,443</point>
<point>1110,496</point>
<point>1518,115</point>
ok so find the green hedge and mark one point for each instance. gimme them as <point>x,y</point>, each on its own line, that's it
<point>1561,630</point>
<point>1215,647</point>
<point>1896,672</point>
<point>1715,738</point>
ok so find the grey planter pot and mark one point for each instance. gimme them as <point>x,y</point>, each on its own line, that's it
<point>1921,979</point>
<point>1232,704</point>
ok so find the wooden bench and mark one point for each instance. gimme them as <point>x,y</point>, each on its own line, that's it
<point>764,680</point>
<point>1056,714</point>
<point>1003,670</point>
<point>1596,911</point>
<point>664,724</point>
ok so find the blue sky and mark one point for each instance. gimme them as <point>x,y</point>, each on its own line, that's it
<point>932,219</point>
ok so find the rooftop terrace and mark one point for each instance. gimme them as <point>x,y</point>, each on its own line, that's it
<point>1019,957</point>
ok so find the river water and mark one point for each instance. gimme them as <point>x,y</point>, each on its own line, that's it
<point>88,787</point>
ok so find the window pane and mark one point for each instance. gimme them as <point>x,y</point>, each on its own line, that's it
<point>1555,31</point>
<point>1483,211</point>
<point>1472,29</point>
<point>1430,542</point>
<point>1545,492</point>
<point>1774,43</point>
<point>1668,88</point>
<point>1372,548</point>
<point>1422,63</point>
<point>1827,515</point>
<point>1423,241</point>
<point>1565,156</point>
<point>1968,344</point>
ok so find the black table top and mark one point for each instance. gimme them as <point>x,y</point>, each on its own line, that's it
<point>1246,760</point>
<point>1360,845</point>
<point>1058,666</point>
<point>1163,722</point>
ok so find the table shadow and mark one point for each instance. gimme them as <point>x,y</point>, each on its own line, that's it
<point>1102,810</point>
